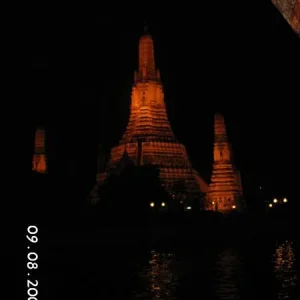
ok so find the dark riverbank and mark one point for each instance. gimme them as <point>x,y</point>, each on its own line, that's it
<point>66,213</point>
<point>165,229</point>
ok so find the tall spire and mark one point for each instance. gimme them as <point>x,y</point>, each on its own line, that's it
<point>39,163</point>
<point>147,70</point>
<point>225,190</point>
<point>221,145</point>
<point>220,128</point>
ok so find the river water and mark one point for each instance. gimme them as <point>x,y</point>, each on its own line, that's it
<point>264,268</point>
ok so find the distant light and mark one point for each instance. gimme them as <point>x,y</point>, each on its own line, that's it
<point>260,187</point>
<point>189,207</point>
<point>285,200</point>
<point>275,200</point>
<point>213,203</point>
<point>270,205</point>
<point>233,207</point>
<point>163,204</point>
<point>152,204</point>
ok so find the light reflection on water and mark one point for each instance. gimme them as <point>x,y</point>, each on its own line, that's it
<point>287,276</point>
<point>227,271</point>
<point>254,270</point>
<point>159,276</point>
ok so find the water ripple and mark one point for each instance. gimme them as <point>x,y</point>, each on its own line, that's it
<point>159,277</point>
<point>287,275</point>
<point>227,271</point>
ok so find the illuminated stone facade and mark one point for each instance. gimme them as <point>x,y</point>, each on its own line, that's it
<point>149,139</point>
<point>290,9</point>
<point>39,162</point>
<point>225,190</point>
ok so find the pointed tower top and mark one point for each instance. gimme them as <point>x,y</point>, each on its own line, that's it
<point>145,27</point>
<point>39,127</point>
<point>147,70</point>
<point>220,128</point>
<point>40,140</point>
<point>218,115</point>
<point>219,118</point>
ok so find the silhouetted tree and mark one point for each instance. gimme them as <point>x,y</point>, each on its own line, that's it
<point>129,193</point>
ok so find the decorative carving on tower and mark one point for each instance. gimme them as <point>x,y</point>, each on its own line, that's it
<point>225,190</point>
<point>39,162</point>
<point>290,10</point>
<point>148,138</point>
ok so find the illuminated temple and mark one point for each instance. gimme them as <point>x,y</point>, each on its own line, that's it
<point>149,139</point>
<point>39,162</point>
<point>290,9</point>
<point>225,190</point>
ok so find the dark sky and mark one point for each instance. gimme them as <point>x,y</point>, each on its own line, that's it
<point>238,60</point>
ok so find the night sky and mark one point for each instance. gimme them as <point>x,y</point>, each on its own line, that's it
<point>240,61</point>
